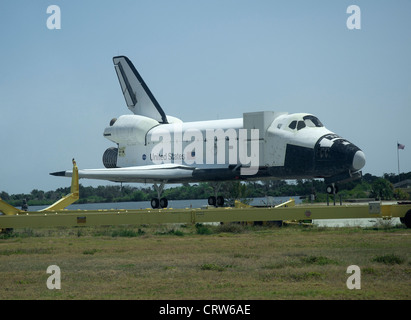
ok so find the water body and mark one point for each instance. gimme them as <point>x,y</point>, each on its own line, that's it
<point>198,203</point>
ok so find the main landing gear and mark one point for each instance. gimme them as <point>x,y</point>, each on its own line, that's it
<point>217,201</point>
<point>156,203</point>
<point>159,202</point>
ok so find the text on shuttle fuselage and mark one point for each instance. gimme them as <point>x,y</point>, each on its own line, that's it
<point>243,147</point>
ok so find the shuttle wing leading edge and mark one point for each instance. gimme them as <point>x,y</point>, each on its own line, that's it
<point>149,173</point>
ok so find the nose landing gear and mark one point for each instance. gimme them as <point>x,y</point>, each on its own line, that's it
<point>332,189</point>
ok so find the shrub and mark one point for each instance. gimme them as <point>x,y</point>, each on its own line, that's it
<point>320,260</point>
<point>201,229</point>
<point>176,232</point>
<point>127,233</point>
<point>230,227</point>
<point>90,251</point>
<point>172,231</point>
<point>389,259</point>
<point>213,267</point>
<point>306,276</point>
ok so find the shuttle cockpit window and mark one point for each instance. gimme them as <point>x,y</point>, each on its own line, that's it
<point>300,125</point>
<point>293,124</point>
<point>311,121</point>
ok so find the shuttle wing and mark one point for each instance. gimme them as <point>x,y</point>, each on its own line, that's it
<point>150,173</point>
<point>139,98</point>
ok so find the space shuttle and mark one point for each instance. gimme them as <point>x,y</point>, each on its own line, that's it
<point>152,147</point>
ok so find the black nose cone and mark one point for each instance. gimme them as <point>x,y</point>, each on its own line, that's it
<point>334,155</point>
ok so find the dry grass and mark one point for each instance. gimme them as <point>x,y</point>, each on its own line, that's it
<point>170,262</point>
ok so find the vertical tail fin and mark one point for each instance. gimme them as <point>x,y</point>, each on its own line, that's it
<point>139,98</point>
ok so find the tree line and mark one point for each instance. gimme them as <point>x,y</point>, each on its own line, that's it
<point>368,187</point>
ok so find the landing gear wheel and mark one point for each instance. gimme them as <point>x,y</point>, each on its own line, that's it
<point>332,189</point>
<point>155,203</point>
<point>212,201</point>
<point>159,202</point>
<point>220,201</point>
<point>163,202</point>
<point>406,219</point>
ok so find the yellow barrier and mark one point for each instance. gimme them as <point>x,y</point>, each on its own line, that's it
<point>55,215</point>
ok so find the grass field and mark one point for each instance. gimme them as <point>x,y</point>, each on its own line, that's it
<point>206,262</point>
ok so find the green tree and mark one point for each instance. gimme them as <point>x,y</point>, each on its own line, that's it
<point>382,189</point>
<point>401,194</point>
<point>138,195</point>
<point>4,196</point>
<point>235,190</point>
<point>37,194</point>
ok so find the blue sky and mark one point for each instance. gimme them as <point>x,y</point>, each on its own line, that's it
<point>202,60</point>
